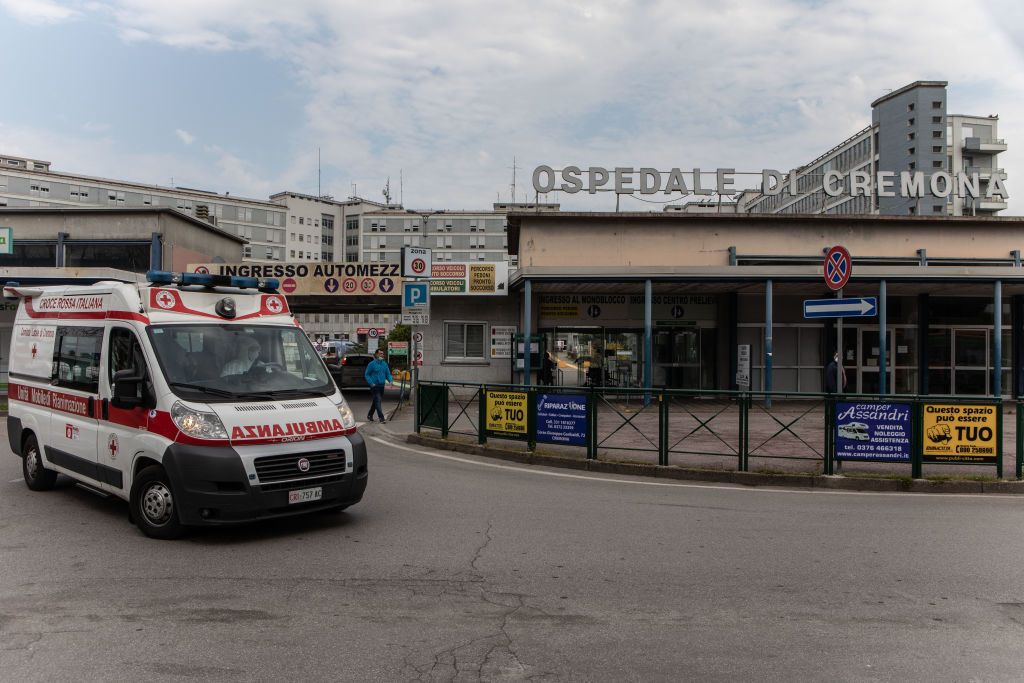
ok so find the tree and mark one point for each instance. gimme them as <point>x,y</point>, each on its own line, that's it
<point>400,333</point>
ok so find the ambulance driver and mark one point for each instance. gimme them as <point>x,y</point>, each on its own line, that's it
<point>248,350</point>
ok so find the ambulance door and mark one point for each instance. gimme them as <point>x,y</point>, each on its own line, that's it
<point>125,419</point>
<point>73,398</point>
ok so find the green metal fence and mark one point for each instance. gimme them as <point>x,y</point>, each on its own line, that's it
<point>744,430</point>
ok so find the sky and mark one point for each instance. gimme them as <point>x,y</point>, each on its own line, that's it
<point>454,100</point>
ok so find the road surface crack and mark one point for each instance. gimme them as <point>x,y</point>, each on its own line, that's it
<point>482,547</point>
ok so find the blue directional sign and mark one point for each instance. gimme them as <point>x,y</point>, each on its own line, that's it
<point>863,307</point>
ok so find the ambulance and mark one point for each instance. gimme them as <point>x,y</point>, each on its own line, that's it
<point>197,398</point>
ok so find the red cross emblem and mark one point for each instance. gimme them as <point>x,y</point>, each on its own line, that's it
<point>34,351</point>
<point>112,445</point>
<point>273,304</point>
<point>165,300</point>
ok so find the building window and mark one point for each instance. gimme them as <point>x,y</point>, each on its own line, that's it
<point>910,136</point>
<point>937,105</point>
<point>936,119</point>
<point>912,210</point>
<point>938,208</point>
<point>912,165</point>
<point>910,107</point>
<point>937,149</point>
<point>936,133</point>
<point>911,151</point>
<point>293,219</point>
<point>464,341</point>
<point>270,253</point>
<point>302,220</point>
<point>910,121</point>
<point>292,253</point>
<point>936,164</point>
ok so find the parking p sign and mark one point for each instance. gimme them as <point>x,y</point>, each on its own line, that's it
<point>415,302</point>
<point>6,240</point>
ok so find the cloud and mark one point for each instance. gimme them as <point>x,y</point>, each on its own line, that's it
<point>38,11</point>
<point>185,136</point>
<point>450,92</point>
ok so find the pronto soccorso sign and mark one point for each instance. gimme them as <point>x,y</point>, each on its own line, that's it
<point>629,180</point>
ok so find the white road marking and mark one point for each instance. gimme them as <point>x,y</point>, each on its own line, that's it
<point>15,481</point>
<point>715,487</point>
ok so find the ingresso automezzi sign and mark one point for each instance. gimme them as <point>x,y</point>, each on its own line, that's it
<point>629,180</point>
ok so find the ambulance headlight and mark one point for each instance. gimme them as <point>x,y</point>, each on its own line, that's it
<point>196,423</point>
<point>348,420</point>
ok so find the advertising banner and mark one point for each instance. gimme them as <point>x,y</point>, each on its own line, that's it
<point>878,432</point>
<point>966,433</point>
<point>562,418</point>
<point>506,413</point>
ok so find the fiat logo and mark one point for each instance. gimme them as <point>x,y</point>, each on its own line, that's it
<point>303,464</point>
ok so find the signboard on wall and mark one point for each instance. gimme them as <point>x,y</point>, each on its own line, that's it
<point>447,278</point>
<point>743,366</point>
<point>566,310</point>
<point>966,433</point>
<point>870,431</point>
<point>501,340</point>
<point>477,278</point>
<point>6,241</point>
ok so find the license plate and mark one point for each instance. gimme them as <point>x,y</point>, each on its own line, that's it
<point>305,495</point>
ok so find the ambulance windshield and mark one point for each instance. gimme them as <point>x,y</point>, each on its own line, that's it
<point>231,362</point>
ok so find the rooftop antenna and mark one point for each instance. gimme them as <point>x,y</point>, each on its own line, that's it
<point>318,193</point>
<point>513,180</point>
<point>401,188</point>
<point>355,191</point>
<point>387,191</point>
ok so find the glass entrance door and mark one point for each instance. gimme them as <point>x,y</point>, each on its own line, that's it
<point>870,360</point>
<point>970,362</point>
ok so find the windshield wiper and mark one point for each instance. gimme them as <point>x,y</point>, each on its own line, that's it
<point>205,389</point>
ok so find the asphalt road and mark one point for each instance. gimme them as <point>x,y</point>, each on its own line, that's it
<point>455,568</point>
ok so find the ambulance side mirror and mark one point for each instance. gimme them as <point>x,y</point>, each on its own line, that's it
<point>127,388</point>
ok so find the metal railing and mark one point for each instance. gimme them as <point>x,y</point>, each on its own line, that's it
<point>701,428</point>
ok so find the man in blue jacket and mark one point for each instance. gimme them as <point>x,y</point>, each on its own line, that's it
<point>377,375</point>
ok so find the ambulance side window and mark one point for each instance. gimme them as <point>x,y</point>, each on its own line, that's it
<point>76,358</point>
<point>125,352</point>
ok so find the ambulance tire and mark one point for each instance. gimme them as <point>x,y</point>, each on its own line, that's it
<point>152,503</point>
<point>37,477</point>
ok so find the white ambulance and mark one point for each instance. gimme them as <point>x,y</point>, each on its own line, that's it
<point>195,397</point>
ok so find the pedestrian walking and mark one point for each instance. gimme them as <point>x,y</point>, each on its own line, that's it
<point>377,374</point>
<point>830,374</point>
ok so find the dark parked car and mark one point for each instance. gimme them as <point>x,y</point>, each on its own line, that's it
<point>349,370</point>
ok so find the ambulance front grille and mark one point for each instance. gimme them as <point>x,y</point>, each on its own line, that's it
<point>286,467</point>
<point>256,408</point>
<point>300,404</point>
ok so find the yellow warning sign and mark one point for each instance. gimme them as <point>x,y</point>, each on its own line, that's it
<point>506,412</point>
<point>960,433</point>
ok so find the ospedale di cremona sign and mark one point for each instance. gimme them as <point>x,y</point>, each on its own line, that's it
<point>630,180</point>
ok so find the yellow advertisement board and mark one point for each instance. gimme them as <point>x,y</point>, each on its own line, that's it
<point>966,433</point>
<point>506,412</point>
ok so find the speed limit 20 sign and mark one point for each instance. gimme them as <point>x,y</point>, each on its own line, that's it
<point>415,262</point>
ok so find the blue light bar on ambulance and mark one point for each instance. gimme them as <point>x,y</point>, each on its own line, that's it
<point>161,277</point>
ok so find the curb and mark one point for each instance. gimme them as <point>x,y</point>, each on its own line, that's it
<point>810,481</point>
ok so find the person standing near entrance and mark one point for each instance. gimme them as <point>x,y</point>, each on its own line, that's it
<point>830,375</point>
<point>377,374</point>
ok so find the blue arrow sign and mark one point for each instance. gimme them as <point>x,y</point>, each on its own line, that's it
<point>864,307</point>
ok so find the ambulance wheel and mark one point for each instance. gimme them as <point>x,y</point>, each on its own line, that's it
<point>152,502</point>
<point>37,477</point>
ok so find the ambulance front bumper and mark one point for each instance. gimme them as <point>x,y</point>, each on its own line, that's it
<point>212,486</point>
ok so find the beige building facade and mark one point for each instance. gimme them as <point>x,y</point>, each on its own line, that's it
<point>669,300</point>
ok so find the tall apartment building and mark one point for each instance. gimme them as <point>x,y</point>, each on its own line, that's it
<point>31,182</point>
<point>910,131</point>
<point>323,228</point>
